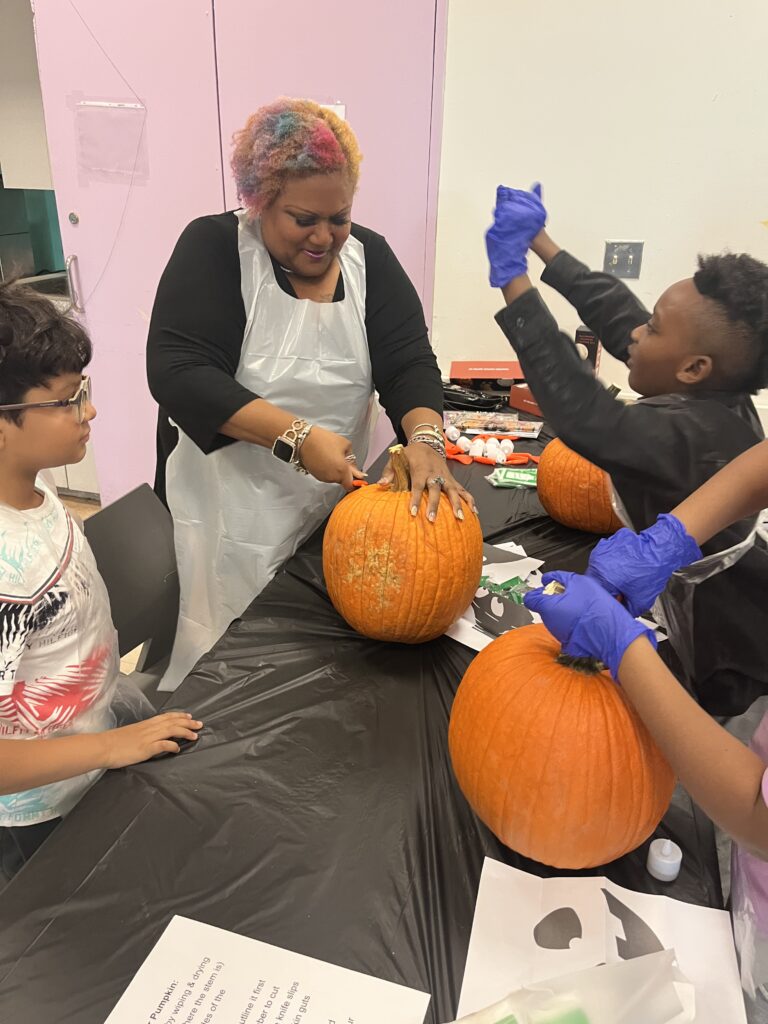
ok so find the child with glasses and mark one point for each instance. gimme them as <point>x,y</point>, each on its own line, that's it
<point>58,648</point>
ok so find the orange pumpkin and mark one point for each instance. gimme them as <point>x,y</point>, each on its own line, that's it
<point>574,491</point>
<point>394,576</point>
<point>551,755</point>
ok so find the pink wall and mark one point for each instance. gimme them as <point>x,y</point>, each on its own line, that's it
<point>135,177</point>
<point>129,219</point>
<point>386,64</point>
<point>435,150</point>
<point>377,59</point>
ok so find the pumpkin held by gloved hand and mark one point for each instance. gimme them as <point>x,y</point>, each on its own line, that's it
<point>575,492</point>
<point>394,576</point>
<point>551,755</point>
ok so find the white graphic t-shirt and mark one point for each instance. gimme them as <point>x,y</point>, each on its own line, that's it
<point>58,648</point>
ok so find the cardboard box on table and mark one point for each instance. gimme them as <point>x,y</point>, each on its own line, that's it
<point>506,378</point>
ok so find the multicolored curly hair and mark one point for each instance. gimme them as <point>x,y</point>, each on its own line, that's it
<point>288,139</point>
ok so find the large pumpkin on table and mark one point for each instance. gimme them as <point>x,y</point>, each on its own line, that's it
<point>575,492</point>
<point>394,576</point>
<point>553,758</point>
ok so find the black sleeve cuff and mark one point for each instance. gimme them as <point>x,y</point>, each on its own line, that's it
<point>529,310</point>
<point>563,272</point>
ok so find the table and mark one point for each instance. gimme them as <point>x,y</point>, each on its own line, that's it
<point>317,812</point>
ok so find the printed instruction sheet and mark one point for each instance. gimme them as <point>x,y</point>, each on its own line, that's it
<point>198,974</point>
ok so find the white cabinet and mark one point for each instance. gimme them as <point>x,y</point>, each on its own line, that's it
<point>80,479</point>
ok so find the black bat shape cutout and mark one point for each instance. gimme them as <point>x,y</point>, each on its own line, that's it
<point>559,928</point>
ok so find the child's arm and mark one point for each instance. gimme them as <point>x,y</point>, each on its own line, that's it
<point>604,302</point>
<point>736,492</point>
<point>615,436</point>
<point>722,775</point>
<point>27,764</point>
<point>637,566</point>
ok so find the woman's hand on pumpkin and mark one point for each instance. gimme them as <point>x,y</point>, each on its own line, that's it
<point>325,456</point>
<point>426,469</point>
<point>587,621</point>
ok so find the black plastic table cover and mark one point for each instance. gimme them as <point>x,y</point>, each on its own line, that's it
<point>317,812</point>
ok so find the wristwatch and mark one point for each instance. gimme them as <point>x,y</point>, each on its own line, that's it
<point>287,446</point>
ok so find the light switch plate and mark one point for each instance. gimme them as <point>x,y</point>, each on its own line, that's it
<point>623,259</point>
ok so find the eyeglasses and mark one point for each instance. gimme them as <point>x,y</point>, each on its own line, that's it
<point>78,402</point>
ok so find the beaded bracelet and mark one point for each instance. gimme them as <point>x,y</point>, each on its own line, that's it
<point>431,432</point>
<point>435,445</point>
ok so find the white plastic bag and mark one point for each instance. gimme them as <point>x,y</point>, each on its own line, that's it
<point>647,990</point>
<point>749,896</point>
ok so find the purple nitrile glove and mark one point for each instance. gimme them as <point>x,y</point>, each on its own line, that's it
<point>587,621</point>
<point>637,566</point>
<point>518,217</point>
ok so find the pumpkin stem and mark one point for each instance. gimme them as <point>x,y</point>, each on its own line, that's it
<point>553,587</point>
<point>589,666</point>
<point>402,481</point>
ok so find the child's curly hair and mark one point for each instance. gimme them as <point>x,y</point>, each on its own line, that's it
<point>738,283</point>
<point>290,138</point>
<point>37,343</point>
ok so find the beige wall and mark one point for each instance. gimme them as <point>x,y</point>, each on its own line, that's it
<point>23,146</point>
<point>645,121</point>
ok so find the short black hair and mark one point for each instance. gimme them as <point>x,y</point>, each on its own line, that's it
<point>38,342</point>
<point>738,284</point>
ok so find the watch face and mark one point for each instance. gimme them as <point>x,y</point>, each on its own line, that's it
<point>282,450</point>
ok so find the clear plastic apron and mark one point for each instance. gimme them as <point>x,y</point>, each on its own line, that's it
<point>673,609</point>
<point>239,513</point>
<point>749,878</point>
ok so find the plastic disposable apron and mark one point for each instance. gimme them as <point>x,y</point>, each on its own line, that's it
<point>674,607</point>
<point>240,513</point>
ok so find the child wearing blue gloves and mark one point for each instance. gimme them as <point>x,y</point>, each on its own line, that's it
<point>727,780</point>
<point>696,359</point>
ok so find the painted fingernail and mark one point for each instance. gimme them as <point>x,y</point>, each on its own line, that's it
<point>459,514</point>
<point>431,517</point>
<point>414,510</point>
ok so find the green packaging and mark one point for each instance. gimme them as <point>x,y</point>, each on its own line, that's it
<point>513,476</point>
<point>514,589</point>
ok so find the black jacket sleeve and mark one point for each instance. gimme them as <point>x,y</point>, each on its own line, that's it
<point>196,333</point>
<point>405,371</point>
<point>603,302</point>
<point>615,436</point>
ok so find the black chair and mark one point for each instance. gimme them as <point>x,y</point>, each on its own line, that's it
<point>132,541</point>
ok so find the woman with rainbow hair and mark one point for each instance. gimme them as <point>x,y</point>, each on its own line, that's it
<point>272,327</point>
